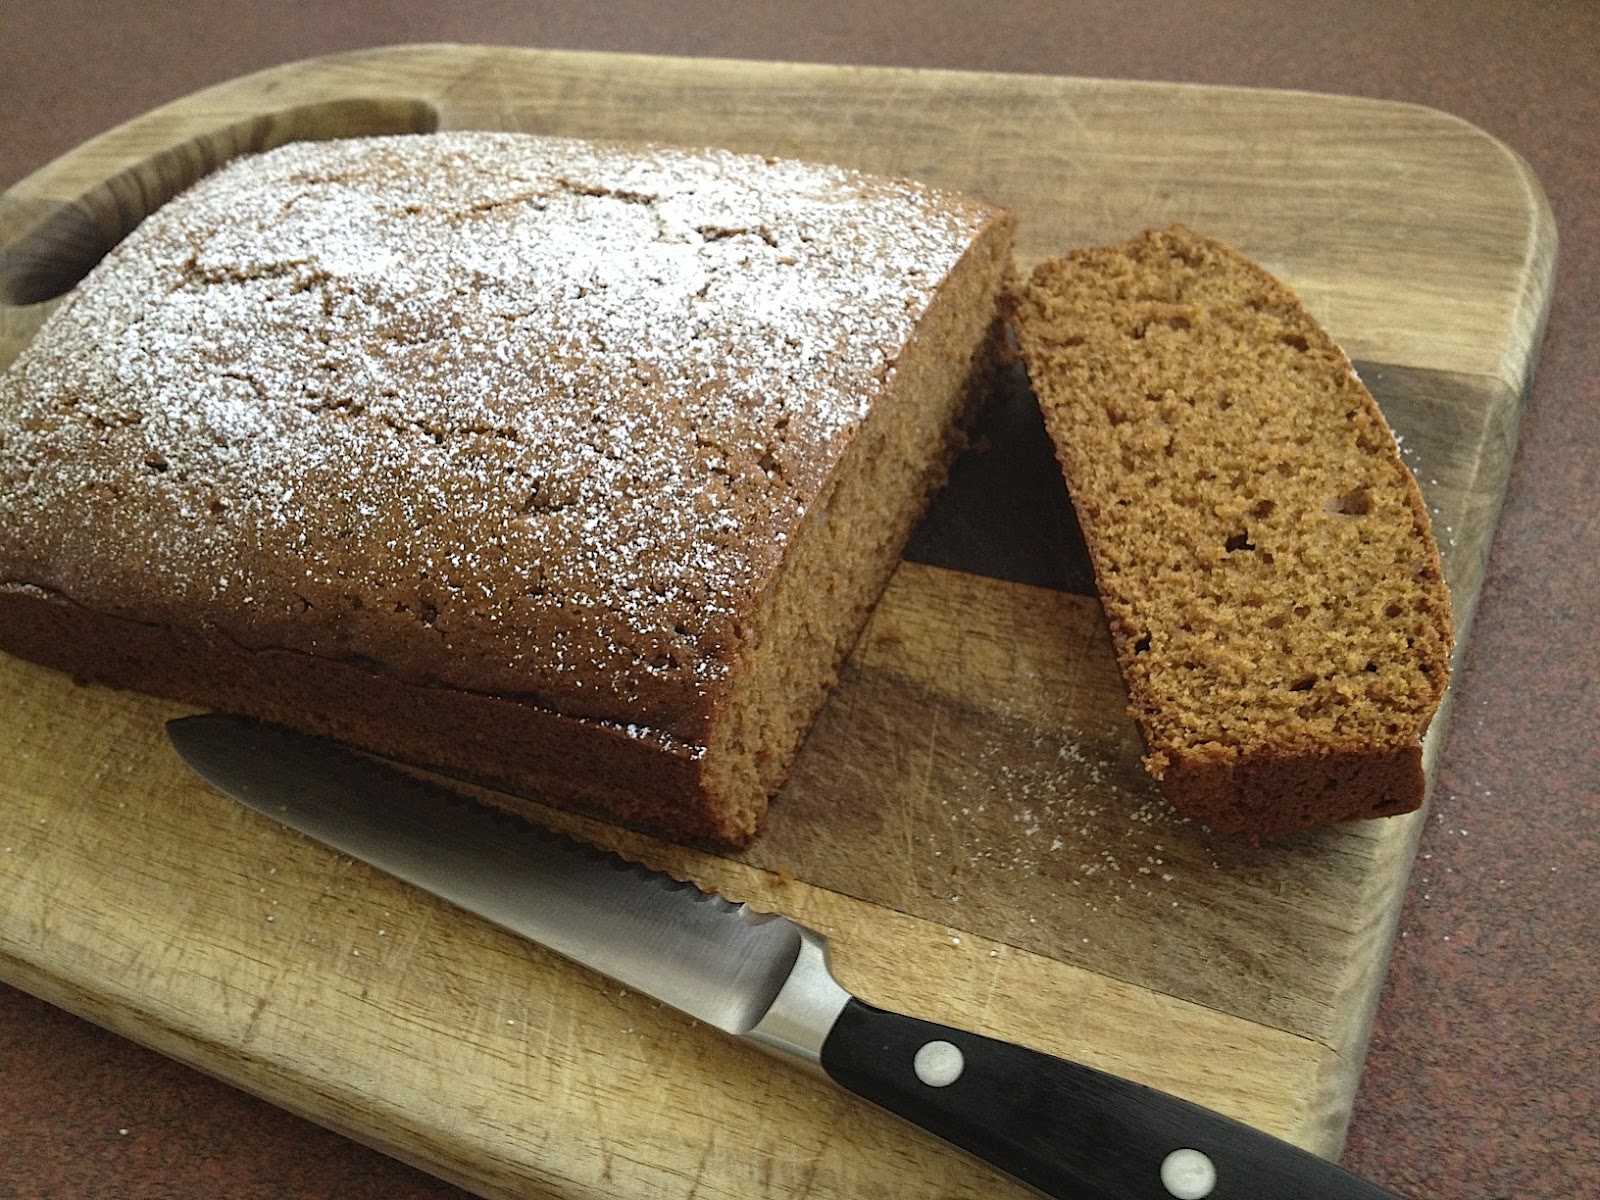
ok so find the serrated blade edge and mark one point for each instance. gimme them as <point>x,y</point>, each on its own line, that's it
<point>720,962</point>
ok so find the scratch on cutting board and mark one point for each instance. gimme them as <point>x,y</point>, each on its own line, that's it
<point>911,806</point>
<point>810,1164</point>
<point>700,1167</point>
<point>602,1145</point>
<point>982,1017</point>
<point>262,1001</point>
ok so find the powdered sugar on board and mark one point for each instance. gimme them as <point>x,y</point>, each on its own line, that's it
<point>505,412</point>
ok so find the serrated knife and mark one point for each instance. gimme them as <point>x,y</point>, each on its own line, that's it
<point>1063,1128</point>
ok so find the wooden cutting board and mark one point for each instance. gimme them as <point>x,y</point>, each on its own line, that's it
<point>968,823</point>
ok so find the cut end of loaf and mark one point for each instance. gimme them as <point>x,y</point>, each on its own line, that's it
<point>1274,593</point>
<point>843,554</point>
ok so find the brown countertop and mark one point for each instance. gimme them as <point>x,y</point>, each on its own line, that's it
<point>1480,1081</point>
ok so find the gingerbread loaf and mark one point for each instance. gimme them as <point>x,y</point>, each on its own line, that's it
<point>1264,557</point>
<point>566,466</point>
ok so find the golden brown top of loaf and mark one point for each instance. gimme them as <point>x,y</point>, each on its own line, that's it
<point>1263,554</point>
<point>509,413</point>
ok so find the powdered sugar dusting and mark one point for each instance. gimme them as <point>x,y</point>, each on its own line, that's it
<point>511,413</point>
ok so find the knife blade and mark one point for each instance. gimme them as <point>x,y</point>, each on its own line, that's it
<point>1063,1128</point>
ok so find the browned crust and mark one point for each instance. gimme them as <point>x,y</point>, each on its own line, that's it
<point>645,782</point>
<point>1264,795</point>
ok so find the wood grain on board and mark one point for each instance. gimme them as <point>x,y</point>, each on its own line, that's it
<point>968,822</point>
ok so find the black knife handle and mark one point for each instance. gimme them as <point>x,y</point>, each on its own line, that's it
<point>1066,1129</point>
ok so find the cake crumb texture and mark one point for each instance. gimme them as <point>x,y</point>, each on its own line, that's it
<point>498,421</point>
<point>1268,571</point>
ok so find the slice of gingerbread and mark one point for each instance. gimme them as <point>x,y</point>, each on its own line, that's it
<point>1265,560</point>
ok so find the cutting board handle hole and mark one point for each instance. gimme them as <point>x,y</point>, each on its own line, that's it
<point>63,247</point>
